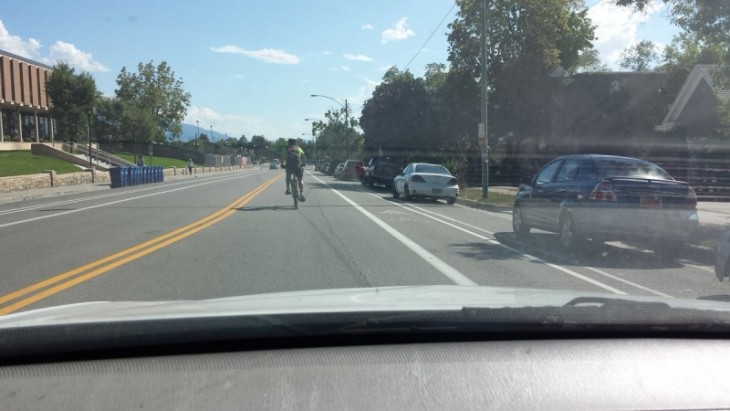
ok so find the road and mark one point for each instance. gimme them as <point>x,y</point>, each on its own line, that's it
<point>235,234</point>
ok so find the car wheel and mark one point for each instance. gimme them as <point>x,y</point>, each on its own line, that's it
<point>395,192</point>
<point>450,200</point>
<point>568,236</point>
<point>406,193</point>
<point>519,224</point>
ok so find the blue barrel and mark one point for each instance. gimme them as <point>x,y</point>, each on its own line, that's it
<point>162,174</point>
<point>135,175</point>
<point>115,174</point>
<point>124,176</point>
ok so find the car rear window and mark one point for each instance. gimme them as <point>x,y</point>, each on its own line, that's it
<point>630,168</point>
<point>431,169</point>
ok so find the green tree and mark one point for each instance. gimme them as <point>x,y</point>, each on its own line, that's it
<point>73,97</point>
<point>399,118</point>
<point>158,94</point>
<point>527,41</point>
<point>640,57</point>
<point>684,52</point>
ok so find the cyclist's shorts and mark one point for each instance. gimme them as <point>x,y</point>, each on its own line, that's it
<point>298,171</point>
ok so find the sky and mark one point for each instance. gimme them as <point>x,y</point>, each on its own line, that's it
<point>252,66</point>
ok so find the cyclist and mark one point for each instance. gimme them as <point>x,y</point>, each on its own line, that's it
<point>295,160</point>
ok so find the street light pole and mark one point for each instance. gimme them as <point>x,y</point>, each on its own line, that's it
<point>211,133</point>
<point>197,135</point>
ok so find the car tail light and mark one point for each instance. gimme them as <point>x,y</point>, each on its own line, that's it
<point>417,179</point>
<point>452,182</point>
<point>603,191</point>
<point>691,199</point>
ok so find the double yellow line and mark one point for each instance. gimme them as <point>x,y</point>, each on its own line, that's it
<point>44,289</point>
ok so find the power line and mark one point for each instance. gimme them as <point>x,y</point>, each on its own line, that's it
<point>429,37</point>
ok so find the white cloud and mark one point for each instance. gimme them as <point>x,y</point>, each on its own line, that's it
<point>345,68</point>
<point>327,53</point>
<point>58,52</point>
<point>267,55</point>
<point>233,124</point>
<point>16,45</point>
<point>69,54</point>
<point>357,57</point>
<point>367,27</point>
<point>616,27</point>
<point>398,32</point>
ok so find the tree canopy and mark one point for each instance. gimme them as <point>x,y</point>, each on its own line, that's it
<point>154,100</point>
<point>73,97</point>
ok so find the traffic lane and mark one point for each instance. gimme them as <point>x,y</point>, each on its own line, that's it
<point>630,267</point>
<point>36,250</point>
<point>265,246</point>
<point>19,210</point>
<point>468,250</point>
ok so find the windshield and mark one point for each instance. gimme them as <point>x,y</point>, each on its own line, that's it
<point>144,154</point>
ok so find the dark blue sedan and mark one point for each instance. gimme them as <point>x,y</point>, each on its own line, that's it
<point>607,198</point>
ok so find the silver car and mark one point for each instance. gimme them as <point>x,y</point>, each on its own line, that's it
<point>426,180</point>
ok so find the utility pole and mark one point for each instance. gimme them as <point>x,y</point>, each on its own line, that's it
<point>483,128</point>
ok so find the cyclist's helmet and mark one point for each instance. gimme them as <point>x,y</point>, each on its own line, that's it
<point>292,142</point>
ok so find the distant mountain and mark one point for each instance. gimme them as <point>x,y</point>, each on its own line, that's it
<point>189,130</point>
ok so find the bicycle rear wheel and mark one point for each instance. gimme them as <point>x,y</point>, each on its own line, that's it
<point>295,191</point>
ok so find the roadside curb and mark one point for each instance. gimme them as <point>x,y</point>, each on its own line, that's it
<point>483,206</point>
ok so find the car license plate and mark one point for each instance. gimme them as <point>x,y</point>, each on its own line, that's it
<point>436,191</point>
<point>650,202</point>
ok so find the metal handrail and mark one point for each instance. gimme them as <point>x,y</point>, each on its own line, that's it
<point>99,155</point>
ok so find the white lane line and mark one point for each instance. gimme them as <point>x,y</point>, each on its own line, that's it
<point>98,197</point>
<point>595,270</point>
<point>518,252</point>
<point>447,270</point>
<point>78,210</point>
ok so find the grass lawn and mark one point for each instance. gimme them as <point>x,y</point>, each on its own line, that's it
<point>155,161</point>
<point>15,163</point>
<point>499,199</point>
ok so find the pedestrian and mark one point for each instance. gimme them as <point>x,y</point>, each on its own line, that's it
<point>190,166</point>
<point>140,161</point>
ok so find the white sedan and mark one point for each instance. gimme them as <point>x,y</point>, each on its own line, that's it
<point>425,180</point>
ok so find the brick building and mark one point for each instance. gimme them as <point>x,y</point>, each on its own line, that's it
<point>24,104</point>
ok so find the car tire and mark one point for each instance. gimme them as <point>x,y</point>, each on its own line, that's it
<point>395,192</point>
<point>519,223</point>
<point>406,193</point>
<point>450,200</point>
<point>569,239</point>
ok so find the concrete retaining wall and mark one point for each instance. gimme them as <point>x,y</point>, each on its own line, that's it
<point>50,179</point>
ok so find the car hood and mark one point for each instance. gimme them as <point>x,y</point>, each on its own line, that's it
<point>377,299</point>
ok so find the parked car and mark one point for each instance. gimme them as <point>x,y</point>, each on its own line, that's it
<point>353,170</point>
<point>606,198</point>
<point>722,257</point>
<point>426,180</point>
<point>381,170</point>
<point>339,169</point>
<point>331,168</point>
<point>324,166</point>
<point>273,166</point>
